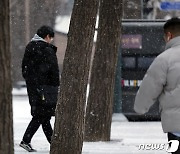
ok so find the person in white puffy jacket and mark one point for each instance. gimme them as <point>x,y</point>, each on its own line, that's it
<point>162,82</point>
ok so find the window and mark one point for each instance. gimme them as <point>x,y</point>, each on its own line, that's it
<point>128,62</point>
<point>131,41</point>
<point>145,62</point>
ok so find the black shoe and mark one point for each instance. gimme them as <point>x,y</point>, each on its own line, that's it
<point>27,146</point>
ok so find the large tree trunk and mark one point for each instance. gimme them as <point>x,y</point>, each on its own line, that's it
<point>69,119</point>
<point>100,101</point>
<point>6,122</point>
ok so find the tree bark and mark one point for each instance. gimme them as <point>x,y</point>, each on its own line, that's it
<point>69,118</point>
<point>6,117</point>
<point>100,101</point>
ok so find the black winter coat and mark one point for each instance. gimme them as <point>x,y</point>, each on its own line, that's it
<point>40,67</point>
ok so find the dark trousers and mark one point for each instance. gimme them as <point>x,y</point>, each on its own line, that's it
<point>34,125</point>
<point>174,137</point>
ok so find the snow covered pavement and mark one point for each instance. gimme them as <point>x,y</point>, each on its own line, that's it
<point>126,137</point>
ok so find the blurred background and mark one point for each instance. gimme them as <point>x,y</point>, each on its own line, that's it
<point>27,16</point>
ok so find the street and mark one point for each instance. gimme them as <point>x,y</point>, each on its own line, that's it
<point>126,137</point>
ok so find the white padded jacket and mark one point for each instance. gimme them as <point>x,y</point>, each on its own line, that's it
<point>162,82</point>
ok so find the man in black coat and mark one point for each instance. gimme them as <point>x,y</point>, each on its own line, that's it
<point>41,73</point>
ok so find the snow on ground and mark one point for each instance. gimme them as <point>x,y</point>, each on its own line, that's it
<point>125,136</point>
<point>19,91</point>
